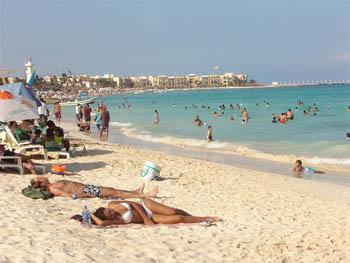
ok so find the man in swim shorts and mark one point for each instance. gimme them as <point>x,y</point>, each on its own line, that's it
<point>66,188</point>
<point>105,119</point>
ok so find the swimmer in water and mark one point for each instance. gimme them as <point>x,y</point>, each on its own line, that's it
<point>274,118</point>
<point>348,135</point>
<point>348,110</point>
<point>197,121</point>
<point>299,169</point>
<point>282,118</point>
<point>231,118</point>
<point>156,117</point>
<point>210,134</point>
<point>245,116</point>
<point>290,115</point>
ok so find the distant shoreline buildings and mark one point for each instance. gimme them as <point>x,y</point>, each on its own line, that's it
<point>109,83</point>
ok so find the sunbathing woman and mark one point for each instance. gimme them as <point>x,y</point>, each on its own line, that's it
<point>146,212</point>
<point>66,188</point>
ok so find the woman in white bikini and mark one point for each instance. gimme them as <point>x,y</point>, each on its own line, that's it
<point>146,212</point>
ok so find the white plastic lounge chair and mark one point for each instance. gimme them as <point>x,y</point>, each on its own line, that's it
<point>17,165</point>
<point>57,153</point>
<point>23,147</point>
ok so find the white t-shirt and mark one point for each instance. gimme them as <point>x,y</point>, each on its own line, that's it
<point>42,110</point>
<point>77,109</point>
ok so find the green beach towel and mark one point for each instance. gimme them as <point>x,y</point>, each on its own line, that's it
<point>36,193</point>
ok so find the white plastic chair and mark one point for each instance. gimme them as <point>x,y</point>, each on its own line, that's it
<point>23,147</point>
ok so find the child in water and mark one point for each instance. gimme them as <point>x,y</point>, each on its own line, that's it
<point>299,169</point>
<point>210,134</point>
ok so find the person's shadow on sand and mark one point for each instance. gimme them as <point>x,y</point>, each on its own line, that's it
<point>95,152</point>
<point>78,167</point>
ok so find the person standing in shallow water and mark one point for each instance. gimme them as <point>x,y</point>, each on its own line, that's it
<point>210,134</point>
<point>105,119</point>
<point>156,117</point>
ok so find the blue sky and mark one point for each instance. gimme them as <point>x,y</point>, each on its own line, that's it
<point>268,40</point>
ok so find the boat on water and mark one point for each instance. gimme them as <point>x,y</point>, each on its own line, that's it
<point>76,102</point>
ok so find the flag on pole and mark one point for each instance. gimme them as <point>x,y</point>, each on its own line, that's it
<point>31,81</point>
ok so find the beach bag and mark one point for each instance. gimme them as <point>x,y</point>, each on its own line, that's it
<point>150,171</point>
<point>36,193</point>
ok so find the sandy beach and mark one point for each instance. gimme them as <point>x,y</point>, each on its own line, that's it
<point>266,217</point>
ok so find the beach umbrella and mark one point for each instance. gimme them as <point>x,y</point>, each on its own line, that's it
<point>16,108</point>
<point>19,89</point>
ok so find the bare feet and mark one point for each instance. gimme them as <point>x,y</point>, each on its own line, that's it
<point>210,220</point>
<point>140,189</point>
<point>214,219</point>
<point>152,193</point>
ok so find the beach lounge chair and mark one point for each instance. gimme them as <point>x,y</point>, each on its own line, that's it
<point>10,140</point>
<point>18,165</point>
<point>56,154</point>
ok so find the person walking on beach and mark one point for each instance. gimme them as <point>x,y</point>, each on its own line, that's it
<point>210,134</point>
<point>98,119</point>
<point>58,112</point>
<point>105,119</point>
<point>43,111</point>
<point>77,113</point>
<point>65,188</point>
<point>87,114</point>
<point>156,117</point>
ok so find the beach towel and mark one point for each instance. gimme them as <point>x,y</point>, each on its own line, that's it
<point>78,218</point>
<point>36,193</point>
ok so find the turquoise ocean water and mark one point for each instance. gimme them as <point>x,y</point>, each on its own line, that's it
<point>319,137</point>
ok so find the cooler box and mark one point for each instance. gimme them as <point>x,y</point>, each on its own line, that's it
<point>150,171</point>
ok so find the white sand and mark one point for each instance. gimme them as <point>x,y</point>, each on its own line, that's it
<point>267,218</point>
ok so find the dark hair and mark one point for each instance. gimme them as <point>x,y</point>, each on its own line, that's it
<point>100,213</point>
<point>50,124</point>
<point>299,162</point>
<point>37,132</point>
<point>59,132</point>
<point>49,132</point>
<point>36,184</point>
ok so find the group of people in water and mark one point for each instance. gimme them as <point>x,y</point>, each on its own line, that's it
<point>100,116</point>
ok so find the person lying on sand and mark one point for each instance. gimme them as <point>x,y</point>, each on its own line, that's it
<point>66,188</point>
<point>147,211</point>
<point>299,169</point>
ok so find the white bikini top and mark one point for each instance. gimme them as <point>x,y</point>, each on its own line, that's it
<point>127,216</point>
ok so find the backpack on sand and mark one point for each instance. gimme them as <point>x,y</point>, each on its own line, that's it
<point>36,193</point>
